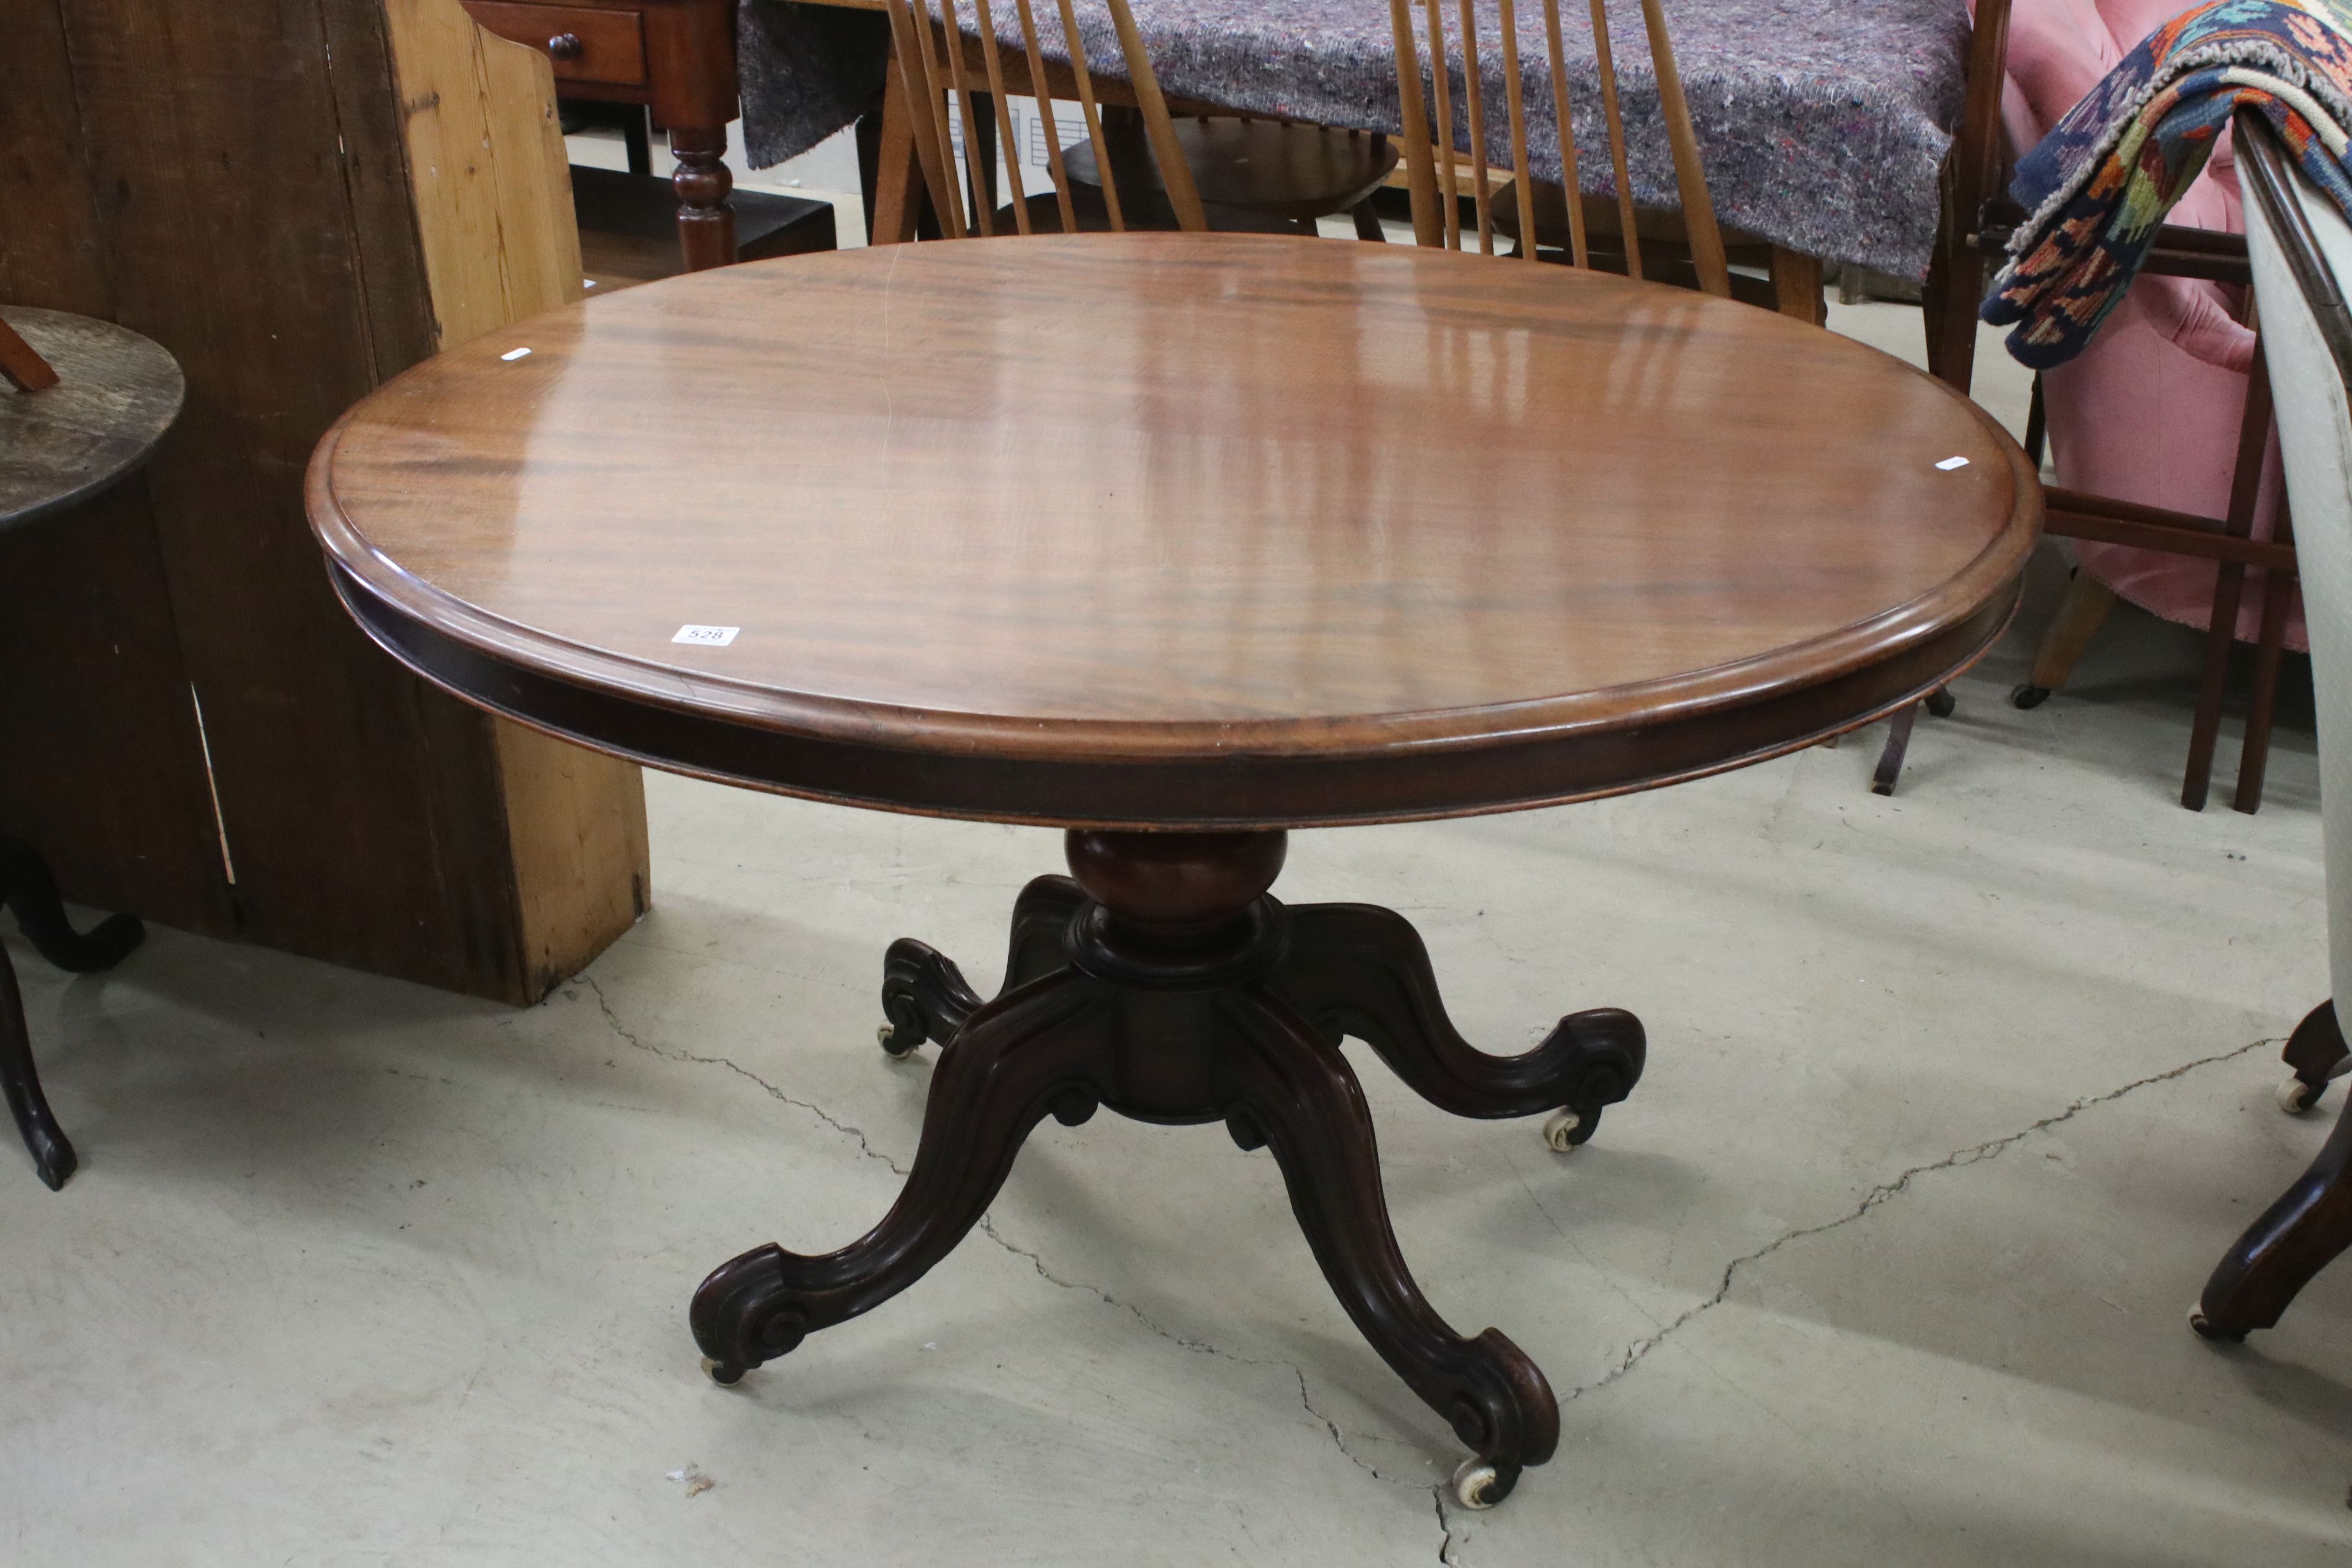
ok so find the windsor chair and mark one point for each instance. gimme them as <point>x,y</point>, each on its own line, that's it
<point>938,72</point>
<point>1437,186</point>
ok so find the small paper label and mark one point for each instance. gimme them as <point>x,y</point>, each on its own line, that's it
<point>707,636</point>
<point>514,354</point>
<point>1950,463</point>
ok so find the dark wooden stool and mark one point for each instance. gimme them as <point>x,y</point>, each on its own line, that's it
<point>88,401</point>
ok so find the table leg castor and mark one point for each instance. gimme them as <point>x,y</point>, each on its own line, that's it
<point>2315,1053</point>
<point>1164,984</point>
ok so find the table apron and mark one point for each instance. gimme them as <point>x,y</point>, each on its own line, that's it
<point>1235,790</point>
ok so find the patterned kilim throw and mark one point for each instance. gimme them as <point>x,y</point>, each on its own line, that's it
<point>2099,184</point>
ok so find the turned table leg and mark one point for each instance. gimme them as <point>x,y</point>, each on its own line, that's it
<point>706,223</point>
<point>1163,983</point>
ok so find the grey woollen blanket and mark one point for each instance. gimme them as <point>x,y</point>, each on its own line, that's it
<point>1822,123</point>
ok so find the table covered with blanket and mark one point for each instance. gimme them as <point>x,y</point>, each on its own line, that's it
<point>1822,125</point>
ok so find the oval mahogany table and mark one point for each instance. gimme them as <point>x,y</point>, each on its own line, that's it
<point>1179,541</point>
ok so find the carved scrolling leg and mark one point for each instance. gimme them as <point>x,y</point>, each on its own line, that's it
<point>1358,970</point>
<point>1017,1060</point>
<point>1164,984</point>
<point>1041,929</point>
<point>925,996</point>
<point>2295,1238</point>
<point>1296,1090</point>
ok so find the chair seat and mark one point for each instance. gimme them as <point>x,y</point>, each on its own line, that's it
<point>1661,228</point>
<point>1152,212</point>
<point>1266,167</point>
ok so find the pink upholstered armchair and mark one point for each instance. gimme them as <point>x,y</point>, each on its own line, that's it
<point>2150,411</point>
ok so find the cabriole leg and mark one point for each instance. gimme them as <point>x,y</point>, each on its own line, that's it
<point>1356,969</point>
<point>1012,1063</point>
<point>1296,1090</point>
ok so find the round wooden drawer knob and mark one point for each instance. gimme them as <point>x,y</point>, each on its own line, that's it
<point>564,47</point>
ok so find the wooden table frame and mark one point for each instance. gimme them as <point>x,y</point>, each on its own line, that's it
<point>1158,671</point>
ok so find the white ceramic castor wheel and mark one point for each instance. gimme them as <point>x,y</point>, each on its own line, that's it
<point>1474,1483</point>
<point>719,1372</point>
<point>2296,1096</point>
<point>1559,1131</point>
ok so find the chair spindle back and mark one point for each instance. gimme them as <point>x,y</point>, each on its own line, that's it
<point>1435,185</point>
<point>935,68</point>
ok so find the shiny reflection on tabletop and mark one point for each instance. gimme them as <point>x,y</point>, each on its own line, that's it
<point>1156,477</point>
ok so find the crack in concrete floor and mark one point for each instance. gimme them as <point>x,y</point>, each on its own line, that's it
<point>1634,1354</point>
<point>1960,1158</point>
<point>1880,1193</point>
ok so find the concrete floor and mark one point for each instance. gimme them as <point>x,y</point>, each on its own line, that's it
<point>1952,1102</point>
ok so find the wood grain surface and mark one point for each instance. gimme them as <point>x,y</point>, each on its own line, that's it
<point>115,394</point>
<point>1176,529</point>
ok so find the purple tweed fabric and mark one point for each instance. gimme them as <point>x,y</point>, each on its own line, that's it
<point>1822,122</point>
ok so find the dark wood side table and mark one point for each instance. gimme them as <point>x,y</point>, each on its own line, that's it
<point>113,397</point>
<point>678,58</point>
<point>1181,542</point>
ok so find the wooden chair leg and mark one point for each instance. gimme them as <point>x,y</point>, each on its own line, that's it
<point>1955,285</point>
<point>896,175</point>
<point>1796,286</point>
<point>1367,222</point>
<point>1939,702</point>
<point>2229,585</point>
<point>2295,1238</point>
<point>2279,591</point>
<point>2080,616</point>
<point>1898,743</point>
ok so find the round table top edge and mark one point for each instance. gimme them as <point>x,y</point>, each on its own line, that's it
<point>98,484</point>
<point>729,701</point>
<point>725,701</point>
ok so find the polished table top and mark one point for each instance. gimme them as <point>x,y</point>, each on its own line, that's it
<point>117,394</point>
<point>1176,529</point>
